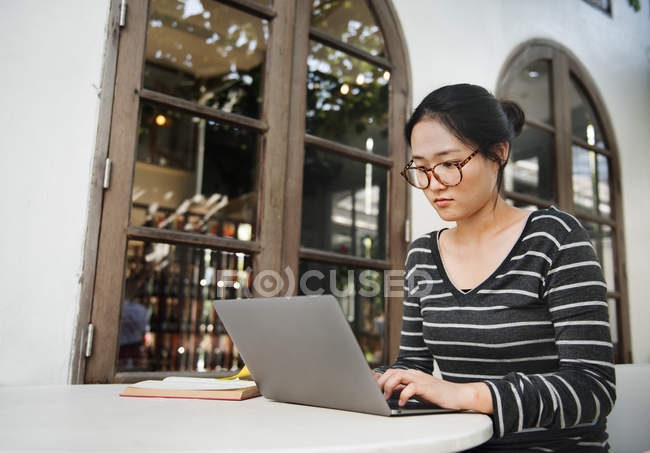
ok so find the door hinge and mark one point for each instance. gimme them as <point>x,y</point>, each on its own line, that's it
<point>89,340</point>
<point>407,231</point>
<point>122,13</point>
<point>107,174</point>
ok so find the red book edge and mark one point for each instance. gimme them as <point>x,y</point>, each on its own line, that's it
<point>191,397</point>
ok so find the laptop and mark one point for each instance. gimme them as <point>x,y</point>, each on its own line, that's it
<point>301,350</point>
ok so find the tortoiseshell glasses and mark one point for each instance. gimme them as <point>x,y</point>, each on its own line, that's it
<point>446,173</point>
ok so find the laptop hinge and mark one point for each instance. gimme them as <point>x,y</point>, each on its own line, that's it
<point>89,340</point>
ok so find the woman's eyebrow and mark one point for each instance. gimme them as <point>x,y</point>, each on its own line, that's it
<point>438,154</point>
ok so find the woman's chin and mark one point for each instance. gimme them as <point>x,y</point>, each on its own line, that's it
<point>447,214</point>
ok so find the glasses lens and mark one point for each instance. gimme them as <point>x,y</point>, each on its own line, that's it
<point>448,174</point>
<point>416,177</point>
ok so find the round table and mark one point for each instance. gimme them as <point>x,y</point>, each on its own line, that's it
<point>95,418</point>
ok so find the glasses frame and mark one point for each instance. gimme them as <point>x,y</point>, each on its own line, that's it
<point>432,170</point>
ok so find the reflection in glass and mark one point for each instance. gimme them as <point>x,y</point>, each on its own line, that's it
<point>167,322</point>
<point>207,53</point>
<point>194,175</point>
<point>584,122</point>
<point>530,168</point>
<point>343,205</point>
<point>602,237</point>
<point>347,99</point>
<point>591,190</point>
<point>350,21</point>
<point>531,88</point>
<point>361,296</point>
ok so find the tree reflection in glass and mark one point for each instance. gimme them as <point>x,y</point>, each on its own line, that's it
<point>207,53</point>
<point>347,99</point>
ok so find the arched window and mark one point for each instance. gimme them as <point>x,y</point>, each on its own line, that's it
<point>247,138</point>
<point>567,156</point>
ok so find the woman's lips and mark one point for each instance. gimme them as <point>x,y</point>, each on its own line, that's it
<point>442,202</point>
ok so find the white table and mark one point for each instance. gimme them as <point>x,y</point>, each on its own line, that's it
<point>94,418</point>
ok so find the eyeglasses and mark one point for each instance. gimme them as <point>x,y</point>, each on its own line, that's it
<point>446,173</point>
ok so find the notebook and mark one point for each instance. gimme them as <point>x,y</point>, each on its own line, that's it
<point>301,350</point>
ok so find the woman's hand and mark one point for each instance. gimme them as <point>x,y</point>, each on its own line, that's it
<point>425,387</point>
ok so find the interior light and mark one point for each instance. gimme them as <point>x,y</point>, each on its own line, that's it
<point>181,350</point>
<point>244,231</point>
<point>370,144</point>
<point>360,79</point>
<point>345,89</point>
<point>220,284</point>
<point>386,75</point>
<point>161,120</point>
<point>591,134</point>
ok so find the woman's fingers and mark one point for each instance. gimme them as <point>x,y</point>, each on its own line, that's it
<point>407,393</point>
<point>395,382</point>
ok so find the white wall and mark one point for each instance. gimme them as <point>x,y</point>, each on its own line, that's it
<point>469,41</point>
<point>52,57</point>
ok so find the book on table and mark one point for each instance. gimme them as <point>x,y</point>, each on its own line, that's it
<point>197,388</point>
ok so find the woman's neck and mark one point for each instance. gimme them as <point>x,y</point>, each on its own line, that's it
<point>487,221</point>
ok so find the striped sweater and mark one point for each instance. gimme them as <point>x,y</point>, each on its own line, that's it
<point>536,332</point>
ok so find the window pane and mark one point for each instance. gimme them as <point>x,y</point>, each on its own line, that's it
<point>343,205</point>
<point>603,239</point>
<point>167,320</point>
<point>207,53</point>
<point>361,296</point>
<point>531,88</point>
<point>591,191</point>
<point>347,99</point>
<point>194,174</point>
<point>350,21</point>
<point>530,170</point>
<point>584,122</point>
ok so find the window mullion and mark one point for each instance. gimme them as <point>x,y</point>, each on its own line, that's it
<point>277,98</point>
<point>294,130</point>
<point>562,121</point>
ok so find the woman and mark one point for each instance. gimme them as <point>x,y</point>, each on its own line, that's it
<point>510,303</point>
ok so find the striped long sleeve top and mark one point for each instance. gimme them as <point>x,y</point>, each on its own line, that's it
<point>536,332</point>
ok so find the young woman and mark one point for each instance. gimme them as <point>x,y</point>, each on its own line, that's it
<point>510,303</point>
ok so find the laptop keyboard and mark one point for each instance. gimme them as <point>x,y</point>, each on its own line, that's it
<point>393,403</point>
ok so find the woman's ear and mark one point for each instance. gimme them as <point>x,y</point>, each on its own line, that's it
<point>502,150</point>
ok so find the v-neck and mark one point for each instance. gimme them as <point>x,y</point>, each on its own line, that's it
<point>435,249</point>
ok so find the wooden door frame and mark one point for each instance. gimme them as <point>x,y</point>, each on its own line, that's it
<point>109,213</point>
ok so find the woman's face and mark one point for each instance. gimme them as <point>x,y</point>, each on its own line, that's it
<point>432,143</point>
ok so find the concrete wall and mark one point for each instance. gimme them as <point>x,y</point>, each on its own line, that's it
<point>469,41</point>
<point>52,57</point>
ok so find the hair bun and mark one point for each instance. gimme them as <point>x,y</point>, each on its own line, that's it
<point>515,114</point>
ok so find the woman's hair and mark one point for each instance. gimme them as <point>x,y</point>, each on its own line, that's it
<point>473,115</point>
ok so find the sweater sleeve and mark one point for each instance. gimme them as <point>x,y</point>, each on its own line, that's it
<point>413,352</point>
<point>582,390</point>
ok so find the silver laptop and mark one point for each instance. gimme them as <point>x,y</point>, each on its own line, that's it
<point>302,350</point>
